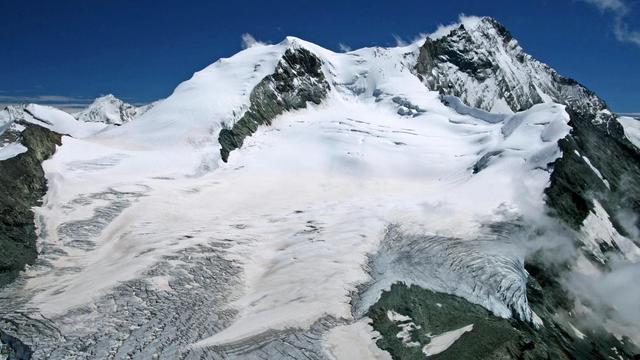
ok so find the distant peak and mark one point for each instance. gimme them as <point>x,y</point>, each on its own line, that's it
<point>295,42</point>
<point>106,98</point>
<point>470,24</point>
<point>108,109</point>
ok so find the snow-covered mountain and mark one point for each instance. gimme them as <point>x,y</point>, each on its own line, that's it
<point>110,110</point>
<point>452,197</point>
<point>482,64</point>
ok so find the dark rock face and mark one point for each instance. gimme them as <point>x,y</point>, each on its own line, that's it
<point>298,79</point>
<point>16,349</point>
<point>574,185</point>
<point>23,185</point>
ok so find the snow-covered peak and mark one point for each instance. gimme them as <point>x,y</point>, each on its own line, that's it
<point>480,62</point>
<point>108,109</point>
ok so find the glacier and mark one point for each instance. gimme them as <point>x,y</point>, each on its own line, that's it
<point>151,246</point>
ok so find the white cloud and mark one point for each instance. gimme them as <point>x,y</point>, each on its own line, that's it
<point>619,9</point>
<point>399,40</point>
<point>624,34</point>
<point>469,22</point>
<point>249,41</point>
<point>344,47</point>
<point>609,5</point>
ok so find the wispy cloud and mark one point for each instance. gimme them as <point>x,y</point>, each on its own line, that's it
<point>404,42</point>
<point>619,9</point>
<point>60,101</point>
<point>249,41</point>
<point>399,41</point>
<point>344,47</point>
<point>40,98</point>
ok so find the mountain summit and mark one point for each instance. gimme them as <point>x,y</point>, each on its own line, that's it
<point>109,110</point>
<point>453,197</point>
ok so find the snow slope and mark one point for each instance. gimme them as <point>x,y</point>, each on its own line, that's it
<point>11,150</point>
<point>48,117</point>
<point>631,129</point>
<point>443,341</point>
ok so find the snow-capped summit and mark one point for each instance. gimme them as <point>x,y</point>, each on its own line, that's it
<point>108,109</point>
<point>480,62</point>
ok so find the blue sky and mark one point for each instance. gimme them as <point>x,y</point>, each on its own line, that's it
<point>68,52</point>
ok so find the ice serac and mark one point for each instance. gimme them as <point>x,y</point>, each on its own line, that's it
<point>297,80</point>
<point>109,110</point>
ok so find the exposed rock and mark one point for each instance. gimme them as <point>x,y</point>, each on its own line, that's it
<point>23,185</point>
<point>573,182</point>
<point>425,314</point>
<point>297,80</point>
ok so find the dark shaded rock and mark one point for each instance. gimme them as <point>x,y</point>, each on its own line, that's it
<point>483,162</point>
<point>492,337</point>
<point>487,340</point>
<point>298,79</point>
<point>23,185</point>
<point>574,185</point>
<point>16,349</point>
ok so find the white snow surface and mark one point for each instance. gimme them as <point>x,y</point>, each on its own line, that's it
<point>577,332</point>
<point>354,341</point>
<point>60,121</point>
<point>11,150</point>
<point>406,327</point>
<point>597,228</point>
<point>444,341</point>
<point>303,202</point>
<point>631,128</point>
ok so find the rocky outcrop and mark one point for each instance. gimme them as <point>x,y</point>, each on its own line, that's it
<point>23,185</point>
<point>409,318</point>
<point>297,80</point>
<point>14,349</point>
<point>596,141</point>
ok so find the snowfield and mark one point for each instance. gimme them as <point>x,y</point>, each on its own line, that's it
<point>296,215</point>
<point>10,150</point>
